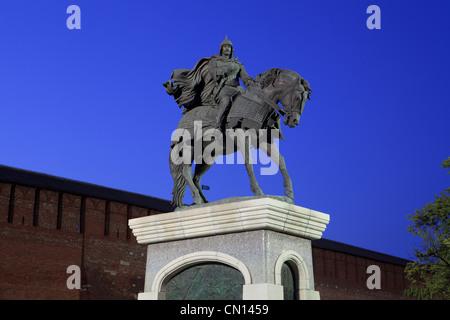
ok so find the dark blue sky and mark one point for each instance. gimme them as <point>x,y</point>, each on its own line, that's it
<point>89,105</point>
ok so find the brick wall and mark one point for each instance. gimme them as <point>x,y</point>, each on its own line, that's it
<point>45,231</point>
<point>341,276</point>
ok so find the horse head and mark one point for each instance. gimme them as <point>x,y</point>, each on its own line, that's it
<point>287,87</point>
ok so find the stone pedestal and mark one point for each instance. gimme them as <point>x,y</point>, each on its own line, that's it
<point>256,237</point>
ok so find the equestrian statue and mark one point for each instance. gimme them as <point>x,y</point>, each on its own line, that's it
<point>213,101</point>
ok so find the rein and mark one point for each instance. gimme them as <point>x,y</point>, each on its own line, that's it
<point>272,104</point>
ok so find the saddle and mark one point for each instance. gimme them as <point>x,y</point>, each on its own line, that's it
<point>249,110</point>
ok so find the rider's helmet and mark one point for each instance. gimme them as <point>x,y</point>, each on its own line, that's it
<point>224,42</point>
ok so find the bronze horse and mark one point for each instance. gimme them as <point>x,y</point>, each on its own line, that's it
<point>255,110</point>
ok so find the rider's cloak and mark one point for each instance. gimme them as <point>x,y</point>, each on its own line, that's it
<point>191,88</point>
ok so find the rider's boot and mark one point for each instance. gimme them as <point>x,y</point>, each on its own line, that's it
<point>222,109</point>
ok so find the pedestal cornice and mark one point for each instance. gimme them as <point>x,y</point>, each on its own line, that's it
<point>214,219</point>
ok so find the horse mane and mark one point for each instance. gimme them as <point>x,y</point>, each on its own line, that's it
<point>305,85</point>
<point>268,77</point>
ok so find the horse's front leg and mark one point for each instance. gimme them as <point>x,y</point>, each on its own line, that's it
<point>272,151</point>
<point>244,147</point>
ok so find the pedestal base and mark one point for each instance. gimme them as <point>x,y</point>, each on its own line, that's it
<point>266,240</point>
<point>263,291</point>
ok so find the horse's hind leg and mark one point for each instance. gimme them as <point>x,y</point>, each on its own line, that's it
<point>200,169</point>
<point>196,196</point>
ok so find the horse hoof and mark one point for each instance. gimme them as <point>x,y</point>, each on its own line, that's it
<point>198,201</point>
<point>258,192</point>
<point>289,193</point>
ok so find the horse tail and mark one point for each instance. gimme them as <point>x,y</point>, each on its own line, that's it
<point>179,183</point>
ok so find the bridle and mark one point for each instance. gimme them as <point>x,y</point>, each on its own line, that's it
<point>292,90</point>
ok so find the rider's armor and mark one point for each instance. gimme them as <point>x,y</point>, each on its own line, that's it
<point>226,71</point>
